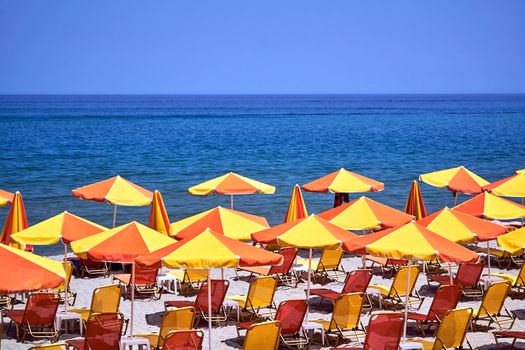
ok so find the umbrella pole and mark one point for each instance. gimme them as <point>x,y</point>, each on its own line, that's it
<point>406,302</point>
<point>209,309</point>
<point>488,257</point>
<point>456,198</point>
<point>114,215</point>
<point>66,279</point>
<point>450,273</point>
<point>522,203</point>
<point>231,201</point>
<point>308,282</point>
<point>132,296</point>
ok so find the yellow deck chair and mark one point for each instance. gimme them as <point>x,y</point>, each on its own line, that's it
<point>503,256</point>
<point>105,299</point>
<point>346,317</point>
<point>493,304</point>
<point>55,346</point>
<point>262,336</point>
<point>518,282</point>
<point>260,296</point>
<point>173,320</point>
<point>452,331</point>
<point>328,265</point>
<point>71,297</point>
<point>190,280</point>
<point>395,294</point>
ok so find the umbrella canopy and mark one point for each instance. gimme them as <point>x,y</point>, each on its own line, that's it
<point>344,181</point>
<point>410,241</point>
<point>460,227</point>
<point>520,171</point>
<point>115,190</point>
<point>297,207</point>
<point>365,214</point>
<point>231,223</point>
<point>16,221</point>
<point>415,205</point>
<point>5,198</point>
<point>231,183</point>
<point>489,206</point>
<point>513,186</point>
<point>121,244</point>
<point>158,216</point>
<point>513,241</point>
<point>458,179</point>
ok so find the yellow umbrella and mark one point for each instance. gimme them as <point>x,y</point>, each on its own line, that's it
<point>489,206</point>
<point>16,221</point>
<point>158,217</point>
<point>513,241</point>
<point>297,207</point>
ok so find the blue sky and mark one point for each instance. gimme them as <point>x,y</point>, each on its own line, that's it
<point>242,46</point>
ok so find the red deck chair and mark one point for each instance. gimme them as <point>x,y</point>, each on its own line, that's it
<point>290,315</point>
<point>219,288</point>
<point>446,299</point>
<point>145,282</point>
<point>38,317</point>
<point>283,272</point>
<point>183,340</point>
<point>467,279</point>
<point>514,335</point>
<point>357,281</point>
<point>103,332</point>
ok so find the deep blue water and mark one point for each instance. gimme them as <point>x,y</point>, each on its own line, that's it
<point>52,144</point>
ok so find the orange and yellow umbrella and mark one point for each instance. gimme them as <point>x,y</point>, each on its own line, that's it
<point>5,198</point>
<point>158,216</point>
<point>297,207</point>
<point>513,186</point>
<point>489,206</point>
<point>365,214</point>
<point>231,223</point>
<point>513,241</point>
<point>415,205</point>
<point>343,181</point>
<point>16,221</point>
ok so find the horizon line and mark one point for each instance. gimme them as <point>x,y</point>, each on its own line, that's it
<point>275,94</point>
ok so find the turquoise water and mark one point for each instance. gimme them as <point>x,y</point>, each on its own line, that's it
<point>52,144</point>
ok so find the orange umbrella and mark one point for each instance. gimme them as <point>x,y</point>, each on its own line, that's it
<point>16,221</point>
<point>344,181</point>
<point>158,216</point>
<point>489,206</point>
<point>296,208</point>
<point>415,205</point>
<point>5,198</point>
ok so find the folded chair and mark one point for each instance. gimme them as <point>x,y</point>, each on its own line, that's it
<point>388,266</point>
<point>103,332</point>
<point>262,336</point>
<point>346,317</point>
<point>395,294</point>
<point>218,293</point>
<point>518,282</point>
<point>38,317</point>
<point>105,299</point>
<point>467,278</point>
<point>145,282</point>
<point>328,266</point>
<point>190,280</point>
<point>357,281</point>
<point>173,320</point>
<point>451,333</point>
<point>446,299</point>
<point>283,272</point>
<point>89,268</point>
<point>259,297</point>
<point>184,340</point>
<point>69,295</point>
<point>514,335</point>
<point>492,308</point>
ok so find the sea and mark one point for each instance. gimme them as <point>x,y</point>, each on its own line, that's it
<point>53,144</point>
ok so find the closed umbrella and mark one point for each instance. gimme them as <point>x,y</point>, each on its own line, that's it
<point>16,221</point>
<point>297,207</point>
<point>158,216</point>
<point>415,205</point>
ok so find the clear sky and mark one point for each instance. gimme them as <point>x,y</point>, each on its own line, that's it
<point>270,46</point>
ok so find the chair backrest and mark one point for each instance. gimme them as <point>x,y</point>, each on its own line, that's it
<point>176,320</point>
<point>68,267</point>
<point>106,299</point>
<point>357,281</point>
<point>187,340</point>
<point>193,275</point>
<point>103,331</point>
<point>347,311</point>
<point>261,291</point>
<point>330,259</point>
<point>262,336</point>
<point>468,274</point>
<point>520,280</point>
<point>145,275</point>
<point>494,298</point>
<point>290,315</point>
<point>453,329</point>
<point>218,292</point>
<point>446,299</point>
<point>289,255</point>
<point>384,331</point>
<point>400,281</point>
<point>41,309</point>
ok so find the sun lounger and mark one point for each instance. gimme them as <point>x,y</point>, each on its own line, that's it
<point>105,299</point>
<point>103,332</point>
<point>492,308</point>
<point>388,266</point>
<point>184,340</point>
<point>328,265</point>
<point>190,280</point>
<point>283,272</point>
<point>145,282</point>
<point>259,298</point>
<point>517,281</point>
<point>394,295</point>
<point>262,336</point>
<point>357,281</point>
<point>467,279</point>
<point>514,335</point>
<point>173,320</point>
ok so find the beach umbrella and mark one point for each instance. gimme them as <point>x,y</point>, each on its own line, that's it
<point>158,216</point>
<point>415,205</point>
<point>16,221</point>
<point>122,244</point>
<point>457,180</point>
<point>513,241</point>
<point>231,223</point>
<point>5,198</point>
<point>513,186</point>
<point>489,206</point>
<point>115,191</point>
<point>231,184</point>
<point>297,207</point>
<point>365,214</point>
<point>207,250</point>
<point>309,233</point>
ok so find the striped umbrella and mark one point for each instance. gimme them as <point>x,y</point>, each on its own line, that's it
<point>158,216</point>
<point>344,181</point>
<point>16,221</point>
<point>415,205</point>
<point>297,207</point>
<point>489,206</point>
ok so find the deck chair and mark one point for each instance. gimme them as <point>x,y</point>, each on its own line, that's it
<point>184,340</point>
<point>492,308</point>
<point>518,282</point>
<point>55,346</point>
<point>395,294</point>
<point>260,296</point>
<point>446,299</point>
<point>328,265</point>
<point>90,268</point>
<point>173,320</point>
<point>504,258</point>
<point>145,282</point>
<point>5,301</point>
<point>218,293</point>
<point>105,299</point>
<point>346,317</point>
<point>451,333</point>
<point>388,266</point>
<point>262,336</point>
<point>103,332</point>
<point>190,280</point>
<point>290,315</point>
<point>514,335</point>
<point>38,317</point>
<point>69,295</point>
<point>357,281</point>
<point>467,278</point>
<point>383,333</point>
<point>283,272</point>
